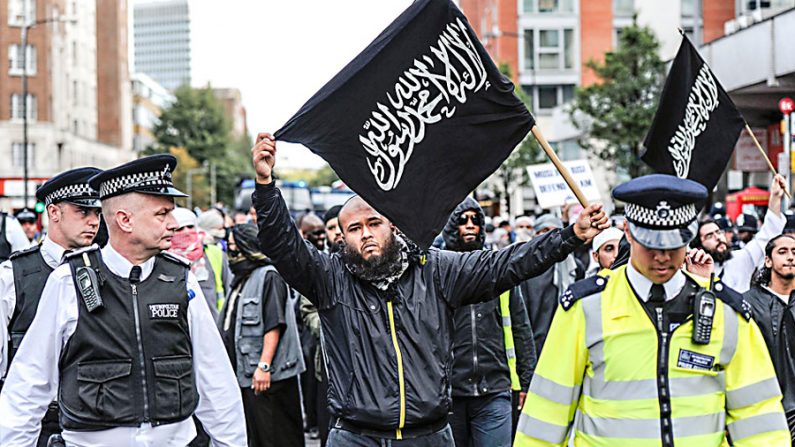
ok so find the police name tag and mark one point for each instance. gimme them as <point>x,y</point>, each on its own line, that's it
<point>694,360</point>
<point>163,311</point>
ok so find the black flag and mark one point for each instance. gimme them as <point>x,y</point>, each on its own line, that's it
<point>696,125</point>
<point>417,120</point>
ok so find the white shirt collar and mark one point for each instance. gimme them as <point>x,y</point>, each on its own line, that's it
<point>120,266</point>
<point>783,298</point>
<point>642,285</point>
<point>51,252</point>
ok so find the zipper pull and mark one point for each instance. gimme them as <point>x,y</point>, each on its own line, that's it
<point>660,319</point>
<point>134,289</point>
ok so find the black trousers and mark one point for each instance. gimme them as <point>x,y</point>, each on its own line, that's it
<point>273,418</point>
<point>323,416</point>
<point>309,390</point>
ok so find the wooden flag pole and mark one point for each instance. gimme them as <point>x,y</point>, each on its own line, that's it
<point>764,154</point>
<point>562,169</point>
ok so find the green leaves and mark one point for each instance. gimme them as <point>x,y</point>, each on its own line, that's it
<point>616,112</point>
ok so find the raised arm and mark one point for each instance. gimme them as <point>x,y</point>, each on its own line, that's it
<point>301,265</point>
<point>476,276</point>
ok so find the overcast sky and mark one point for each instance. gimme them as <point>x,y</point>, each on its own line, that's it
<point>280,52</point>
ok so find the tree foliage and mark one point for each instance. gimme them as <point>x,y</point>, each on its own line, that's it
<point>616,112</point>
<point>197,122</point>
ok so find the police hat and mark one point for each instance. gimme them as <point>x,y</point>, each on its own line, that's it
<point>70,186</point>
<point>661,209</point>
<point>148,175</point>
<point>26,215</point>
<point>747,222</point>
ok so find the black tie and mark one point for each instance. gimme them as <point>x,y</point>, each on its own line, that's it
<point>135,274</point>
<point>65,254</point>
<point>657,300</point>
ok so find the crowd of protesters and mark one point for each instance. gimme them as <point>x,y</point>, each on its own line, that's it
<point>337,326</point>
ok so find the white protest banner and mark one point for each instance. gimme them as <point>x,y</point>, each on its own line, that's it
<point>551,190</point>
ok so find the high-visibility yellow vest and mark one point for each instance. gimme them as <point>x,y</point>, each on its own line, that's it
<point>600,361</point>
<point>507,334</point>
<point>216,257</point>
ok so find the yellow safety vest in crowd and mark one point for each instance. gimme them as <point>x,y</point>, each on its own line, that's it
<point>216,257</point>
<point>600,360</point>
<point>507,334</point>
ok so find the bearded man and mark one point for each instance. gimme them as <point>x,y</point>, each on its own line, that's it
<point>386,309</point>
<point>736,267</point>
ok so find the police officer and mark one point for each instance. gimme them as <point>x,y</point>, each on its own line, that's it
<point>123,335</point>
<point>648,357</point>
<point>73,209</point>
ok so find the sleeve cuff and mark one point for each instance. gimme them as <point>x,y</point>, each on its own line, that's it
<point>568,236</point>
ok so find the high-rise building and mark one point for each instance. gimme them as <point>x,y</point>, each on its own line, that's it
<point>161,31</point>
<point>76,111</point>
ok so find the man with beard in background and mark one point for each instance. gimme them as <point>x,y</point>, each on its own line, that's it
<point>736,267</point>
<point>493,351</point>
<point>771,300</point>
<point>333,232</point>
<point>385,309</point>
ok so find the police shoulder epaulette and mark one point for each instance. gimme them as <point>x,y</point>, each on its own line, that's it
<point>175,258</point>
<point>581,289</point>
<point>80,251</point>
<point>25,252</point>
<point>733,298</point>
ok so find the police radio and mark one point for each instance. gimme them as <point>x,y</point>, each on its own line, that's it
<point>88,285</point>
<point>703,314</point>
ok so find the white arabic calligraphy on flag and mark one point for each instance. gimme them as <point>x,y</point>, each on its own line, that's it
<point>424,94</point>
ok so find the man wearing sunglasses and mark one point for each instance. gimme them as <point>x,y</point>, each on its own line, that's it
<point>386,309</point>
<point>492,349</point>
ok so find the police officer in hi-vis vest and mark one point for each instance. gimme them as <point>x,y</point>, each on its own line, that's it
<point>649,355</point>
<point>124,338</point>
<point>73,211</point>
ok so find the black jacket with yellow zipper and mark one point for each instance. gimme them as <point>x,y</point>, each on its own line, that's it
<point>388,353</point>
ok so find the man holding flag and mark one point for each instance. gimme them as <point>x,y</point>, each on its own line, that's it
<point>386,308</point>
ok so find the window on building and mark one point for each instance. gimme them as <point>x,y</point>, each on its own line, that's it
<point>544,98</point>
<point>623,8</point>
<point>18,155</point>
<point>15,58</point>
<point>549,49</point>
<point>21,12</point>
<point>548,6</point>
<point>688,8</point>
<point>16,107</point>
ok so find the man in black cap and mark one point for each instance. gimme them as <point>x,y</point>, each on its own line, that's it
<point>73,210</point>
<point>124,337</point>
<point>648,356</point>
<point>333,232</point>
<point>28,221</point>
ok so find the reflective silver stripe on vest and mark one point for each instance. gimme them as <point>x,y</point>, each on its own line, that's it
<point>598,388</point>
<point>730,328</point>
<point>751,394</point>
<point>543,431</point>
<point>510,353</point>
<point>594,340</point>
<point>755,425</point>
<point>506,321</point>
<point>650,428</point>
<point>554,391</point>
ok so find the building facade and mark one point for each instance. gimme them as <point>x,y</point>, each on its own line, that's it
<point>75,93</point>
<point>547,44</point>
<point>149,101</point>
<point>161,32</point>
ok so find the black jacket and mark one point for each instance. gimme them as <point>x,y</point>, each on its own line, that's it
<point>768,311</point>
<point>363,326</point>
<point>480,363</point>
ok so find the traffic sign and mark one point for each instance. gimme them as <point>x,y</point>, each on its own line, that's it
<point>786,105</point>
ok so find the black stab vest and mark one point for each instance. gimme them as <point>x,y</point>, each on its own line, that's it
<point>30,276</point>
<point>130,361</point>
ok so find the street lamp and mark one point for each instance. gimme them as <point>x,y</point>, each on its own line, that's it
<point>25,27</point>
